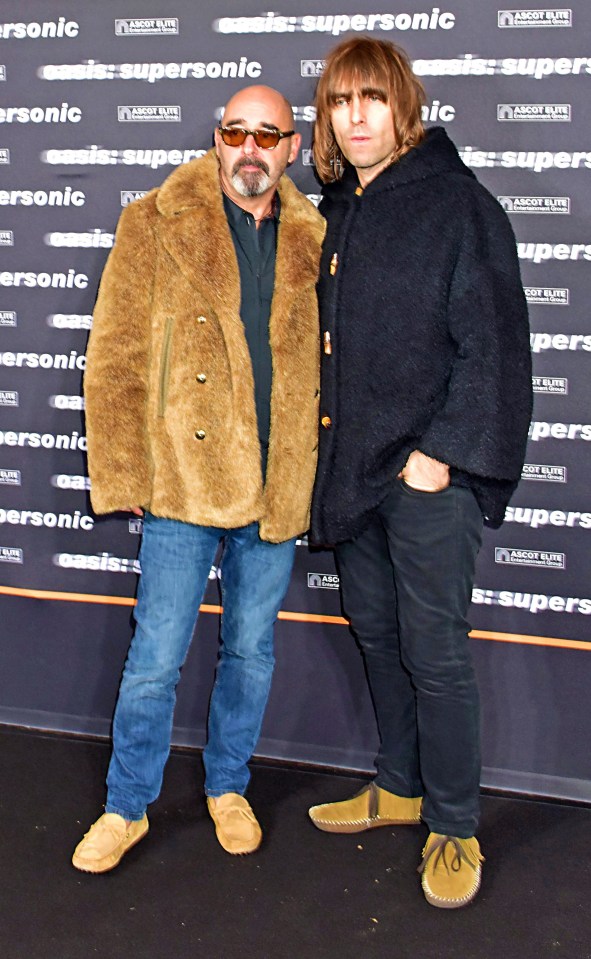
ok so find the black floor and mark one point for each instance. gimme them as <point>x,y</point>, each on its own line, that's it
<point>303,895</point>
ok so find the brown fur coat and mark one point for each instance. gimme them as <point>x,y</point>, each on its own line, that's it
<point>170,409</point>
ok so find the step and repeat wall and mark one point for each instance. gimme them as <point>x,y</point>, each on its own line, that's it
<point>99,103</point>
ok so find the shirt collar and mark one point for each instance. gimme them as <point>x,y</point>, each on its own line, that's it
<point>235,212</point>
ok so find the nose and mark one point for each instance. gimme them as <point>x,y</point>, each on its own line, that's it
<point>249,146</point>
<point>357,110</point>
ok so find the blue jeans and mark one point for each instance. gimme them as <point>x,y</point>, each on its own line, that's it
<point>176,559</point>
<point>406,584</point>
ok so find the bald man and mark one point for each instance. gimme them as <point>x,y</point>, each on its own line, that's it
<point>201,410</point>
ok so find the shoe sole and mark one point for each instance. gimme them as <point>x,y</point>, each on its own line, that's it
<point>360,825</point>
<point>96,867</point>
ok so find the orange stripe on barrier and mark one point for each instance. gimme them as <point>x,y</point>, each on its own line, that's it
<point>287,615</point>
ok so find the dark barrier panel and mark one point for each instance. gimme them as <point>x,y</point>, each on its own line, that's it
<point>99,103</point>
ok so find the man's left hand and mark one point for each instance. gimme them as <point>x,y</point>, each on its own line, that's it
<point>424,473</point>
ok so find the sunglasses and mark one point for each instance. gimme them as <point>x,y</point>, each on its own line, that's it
<point>265,139</point>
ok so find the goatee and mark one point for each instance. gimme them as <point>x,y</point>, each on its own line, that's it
<point>250,182</point>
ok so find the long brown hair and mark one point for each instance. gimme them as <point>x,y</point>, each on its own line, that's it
<point>366,63</point>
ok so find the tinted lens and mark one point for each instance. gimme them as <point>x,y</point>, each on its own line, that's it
<point>235,137</point>
<point>266,139</point>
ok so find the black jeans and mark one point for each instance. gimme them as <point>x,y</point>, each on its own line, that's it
<point>406,586</point>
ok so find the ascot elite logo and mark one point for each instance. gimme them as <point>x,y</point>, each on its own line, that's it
<point>136,526</point>
<point>535,204</point>
<point>323,581</point>
<point>534,112</point>
<point>10,554</point>
<point>153,26</point>
<point>147,114</point>
<point>308,157</point>
<point>8,318</point>
<point>547,295</point>
<point>10,477</point>
<point>543,473</point>
<point>129,196</point>
<point>516,19</point>
<point>4,156</point>
<point>8,398</point>
<point>530,557</point>
<point>556,385</point>
<point>6,238</point>
<point>311,68</point>
<point>2,72</point>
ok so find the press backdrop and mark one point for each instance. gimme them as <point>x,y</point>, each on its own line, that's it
<point>99,103</point>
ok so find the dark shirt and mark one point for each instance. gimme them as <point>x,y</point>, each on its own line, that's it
<point>255,251</point>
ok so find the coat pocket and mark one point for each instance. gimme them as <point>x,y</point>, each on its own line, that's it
<point>165,366</point>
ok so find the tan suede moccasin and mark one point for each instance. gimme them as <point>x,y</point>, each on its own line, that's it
<point>372,806</point>
<point>107,841</point>
<point>236,826</point>
<point>450,871</point>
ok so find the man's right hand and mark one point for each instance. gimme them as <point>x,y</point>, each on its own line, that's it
<point>134,509</point>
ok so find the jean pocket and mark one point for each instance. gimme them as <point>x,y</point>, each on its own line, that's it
<point>422,492</point>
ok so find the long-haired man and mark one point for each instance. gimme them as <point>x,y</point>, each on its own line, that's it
<point>425,406</point>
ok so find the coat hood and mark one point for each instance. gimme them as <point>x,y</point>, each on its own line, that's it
<point>435,155</point>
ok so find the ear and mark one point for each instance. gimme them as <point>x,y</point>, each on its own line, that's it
<point>296,142</point>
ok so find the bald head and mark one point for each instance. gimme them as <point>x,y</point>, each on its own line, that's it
<point>267,101</point>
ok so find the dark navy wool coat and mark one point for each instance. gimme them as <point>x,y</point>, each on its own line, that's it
<point>427,324</point>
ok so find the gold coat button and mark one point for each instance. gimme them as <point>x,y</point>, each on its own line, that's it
<point>201,378</point>
<point>200,434</point>
<point>202,319</point>
<point>326,422</point>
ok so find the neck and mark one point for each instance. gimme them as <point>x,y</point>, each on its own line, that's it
<point>365,175</point>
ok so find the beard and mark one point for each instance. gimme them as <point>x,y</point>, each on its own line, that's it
<point>250,182</point>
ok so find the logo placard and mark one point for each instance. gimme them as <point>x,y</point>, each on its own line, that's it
<point>142,27</point>
<point>128,196</point>
<point>519,19</point>
<point>149,114</point>
<point>535,204</point>
<point>534,112</point>
<point>542,473</point>
<point>547,295</point>
<point>323,581</point>
<point>557,385</point>
<point>10,554</point>
<point>311,68</point>
<point>530,557</point>
<point>10,477</point>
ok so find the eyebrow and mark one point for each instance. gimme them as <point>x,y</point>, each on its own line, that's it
<point>242,123</point>
<point>366,91</point>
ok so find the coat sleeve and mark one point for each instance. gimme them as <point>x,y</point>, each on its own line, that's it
<point>116,378</point>
<point>483,425</point>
